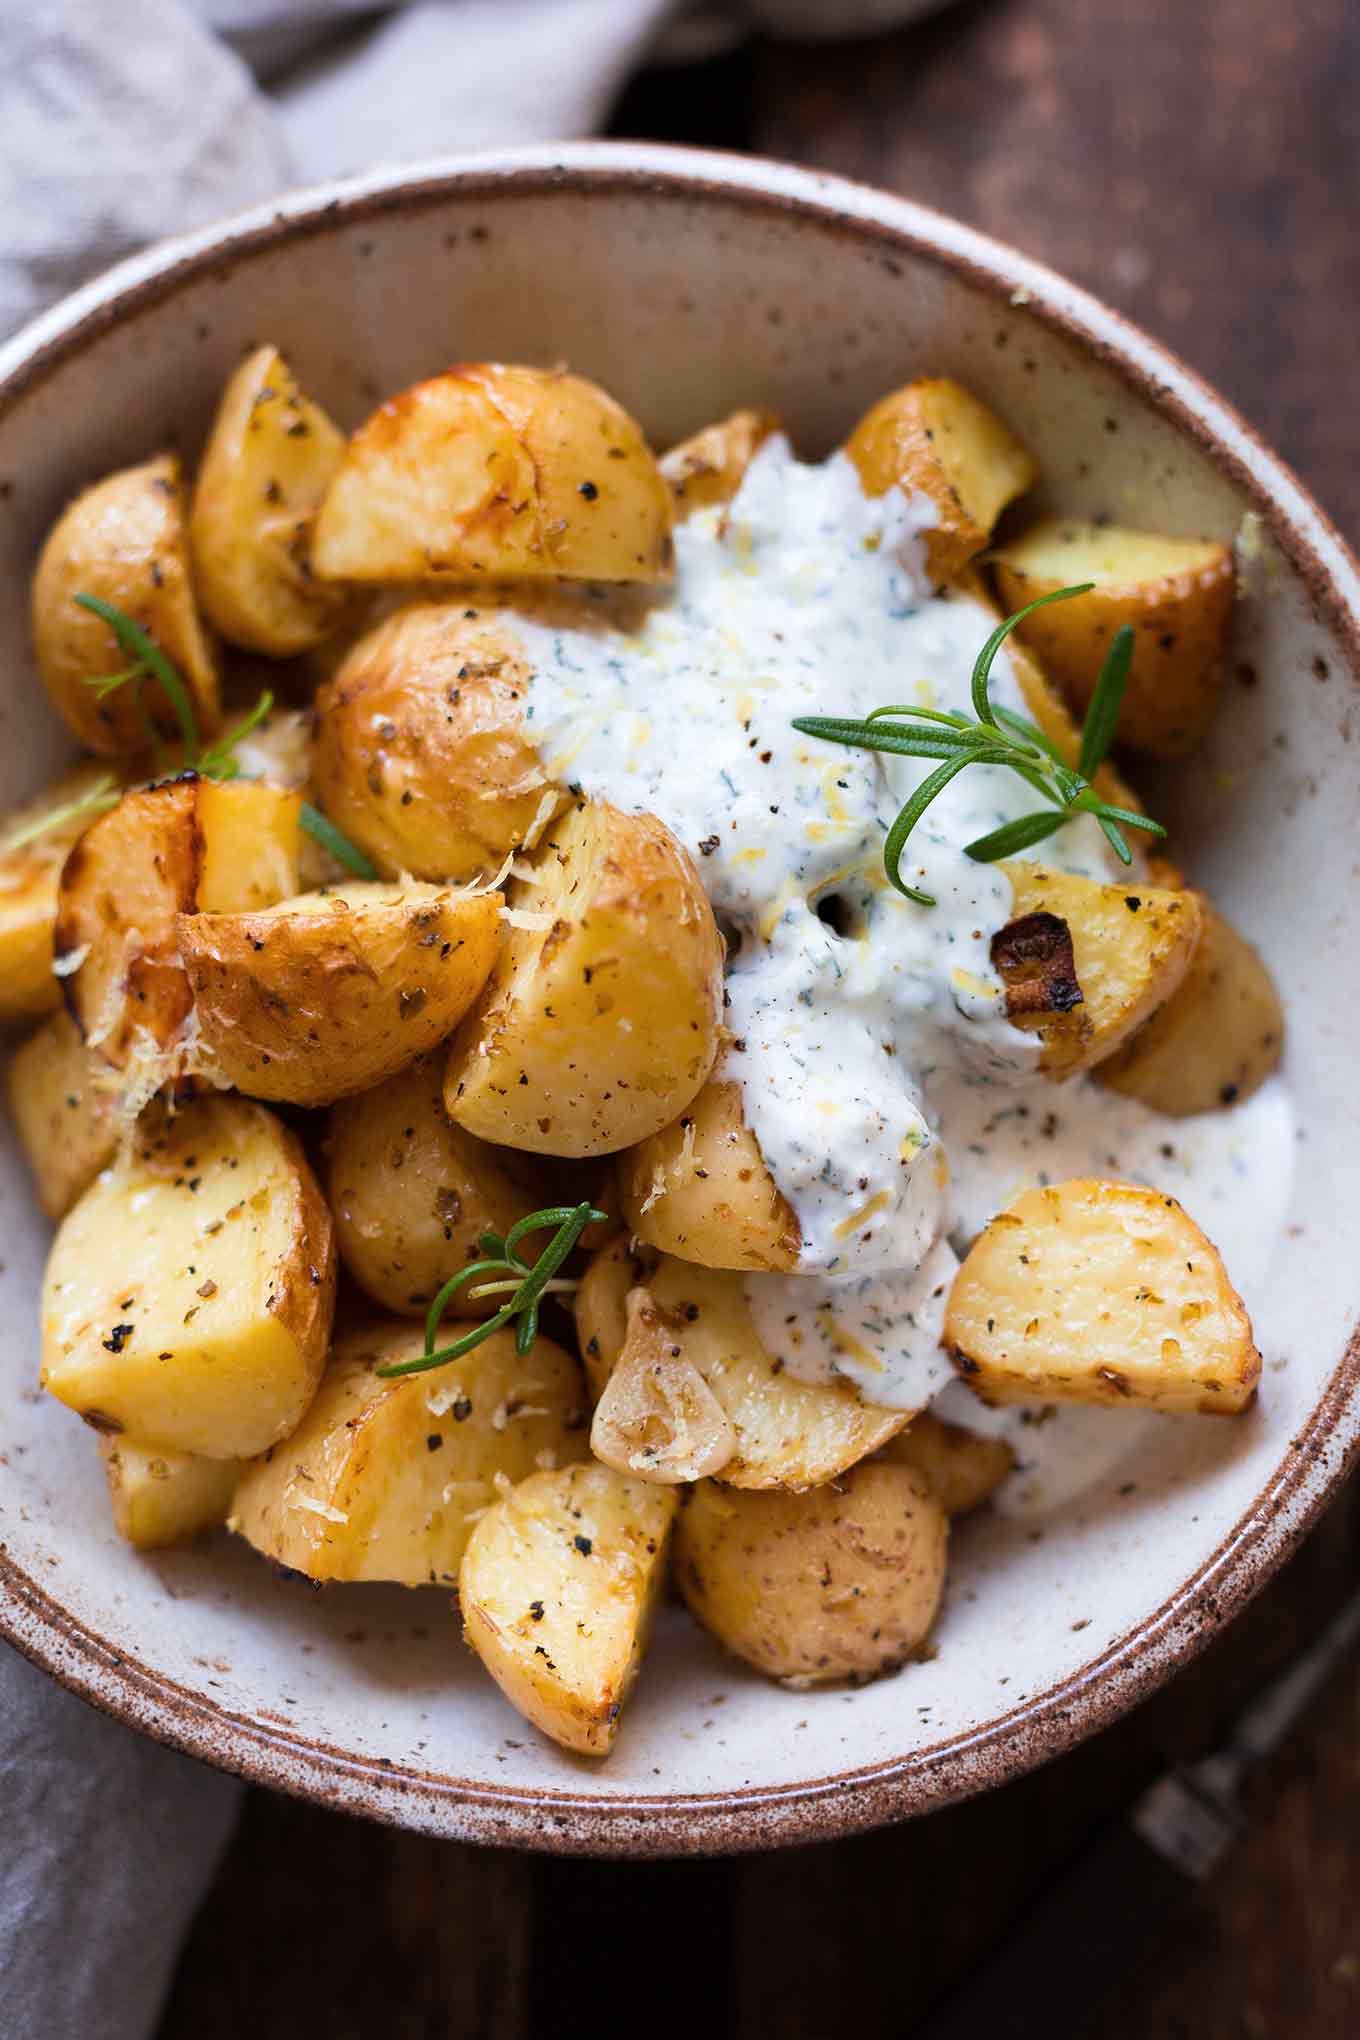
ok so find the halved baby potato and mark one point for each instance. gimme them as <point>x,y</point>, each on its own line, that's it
<point>841,1583</point>
<point>1176,593</point>
<point>270,458</point>
<point>558,1586</point>
<point>386,1479</point>
<point>125,541</point>
<point>422,756</point>
<point>1215,1040</point>
<point>602,1018</point>
<point>413,1194</point>
<point>710,466</point>
<point>65,1111</point>
<point>700,1190</point>
<point>1085,964</point>
<point>161,1497</point>
<point>189,1294</point>
<point>935,438</point>
<point>30,875</point>
<point>1100,1292</point>
<point>184,844</point>
<point>329,993</point>
<point>784,1432</point>
<point>961,1468</point>
<point>496,471</point>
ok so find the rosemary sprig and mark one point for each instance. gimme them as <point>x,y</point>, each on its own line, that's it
<point>997,736</point>
<point>503,1270</point>
<point>96,800</point>
<point>146,661</point>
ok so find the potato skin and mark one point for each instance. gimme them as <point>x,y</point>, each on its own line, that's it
<point>935,438</point>
<point>711,465</point>
<point>700,1190</point>
<point>1100,1292</point>
<point>1131,944</point>
<point>961,1468</point>
<point>421,755</point>
<point>385,1479</point>
<point>841,1583</point>
<point>66,1118</point>
<point>497,471</point>
<point>124,539</point>
<point>270,458</point>
<point>189,1293</point>
<point>1215,1040</point>
<point>330,993</point>
<point>412,1193</point>
<point>1177,596</point>
<point>558,1586</point>
<point>601,1021</point>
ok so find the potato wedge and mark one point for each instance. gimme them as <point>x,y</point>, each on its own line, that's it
<point>558,1585</point>
<point>842,1583</point>
<point>386,1479</point>
<point>1100,1292</point>
<point>700,1189</point>
<point>497,471</point>
<point>1216,1039</point>
<point>65,1110</point>
<point>1085,964</point>
<point>184,844</point>
<point>787,1433</point>
<point>600,1305</point>
<point>934,438</point>
<point>161,1497</point>
<point>412,1193</point>
<point>270,458</point>
<point>30,874</point>
<point>961,1468</point>
<point>421,754</point>
<point>125,541</point>
<point>710,466</point>
<point>189,1294</point>
<point>657,1417</point>
<point>1175,593</point>
<point>601,1020</point>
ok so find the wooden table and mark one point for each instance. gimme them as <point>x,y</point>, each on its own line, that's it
<point>1197,163</point>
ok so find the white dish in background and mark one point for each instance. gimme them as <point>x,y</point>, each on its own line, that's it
<point>688,283</point>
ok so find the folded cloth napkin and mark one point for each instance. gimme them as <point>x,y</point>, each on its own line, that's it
<point>120,124</point>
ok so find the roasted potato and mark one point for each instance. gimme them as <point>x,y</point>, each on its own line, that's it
<point>332,992</point>
<point>186,843</point>
<point>934,438</point>
<point>1177,595</point>
<point>125,541</point>
<point>189,1294</point>
<point>842,1583</point>
<point>710,467</point>
<point>1100,1292</point>
<point>161,1497</point>
<point>62,1097</point>
<point>30,874</point>
<point>700,1189</point>
<point>600,1305</point>
<point>270,459</point>
<point>557,1586</point>
<point>785,1432</point>
<point>385,1479</point>
<point>1216,1039</point>
<point>421,753</point>
<point>412,1193</point>
<point>961,1468</point>
<point>657,1417</point>
<point>601,1020</point>
<point>1085,964</point>
<point>503,472</point>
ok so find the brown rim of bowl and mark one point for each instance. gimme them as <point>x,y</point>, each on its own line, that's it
<point>1318,1457</point>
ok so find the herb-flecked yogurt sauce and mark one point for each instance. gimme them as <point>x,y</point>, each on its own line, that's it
<point>894,1104</point>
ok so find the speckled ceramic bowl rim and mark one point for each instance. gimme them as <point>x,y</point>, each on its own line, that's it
<point>1319,1454</point>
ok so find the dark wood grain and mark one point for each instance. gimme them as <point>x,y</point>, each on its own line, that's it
<point>1196,163</point>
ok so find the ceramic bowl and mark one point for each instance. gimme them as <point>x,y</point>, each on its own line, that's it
<point>689,283</point>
